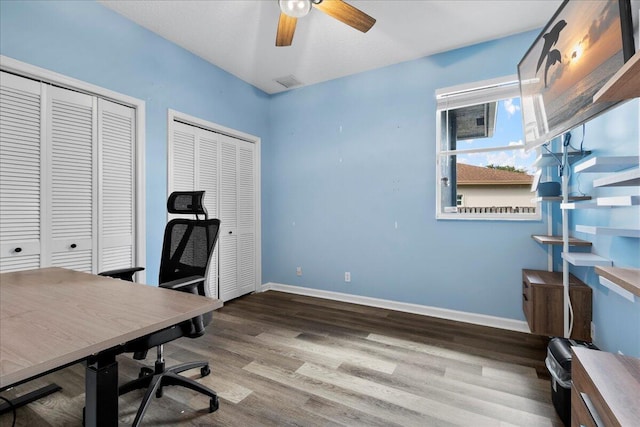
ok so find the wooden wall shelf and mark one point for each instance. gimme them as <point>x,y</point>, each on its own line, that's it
<point>554,159</point>
<point>628,178</point>
<point>627,278</point>
<point>579,205</point>
<point>557,240</point>
<point>585,259</point>
<point>609,231</point>
<point>625,84</point>
<point>618,201</point>
<point>606,164</point>
<point>559,198</point>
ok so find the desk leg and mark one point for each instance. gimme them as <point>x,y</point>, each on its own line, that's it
<point>101,392</point>
<point>25,399</point>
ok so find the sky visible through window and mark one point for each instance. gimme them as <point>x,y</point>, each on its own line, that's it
<point>508,132</point>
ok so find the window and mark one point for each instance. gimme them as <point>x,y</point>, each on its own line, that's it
<point>483,171</point>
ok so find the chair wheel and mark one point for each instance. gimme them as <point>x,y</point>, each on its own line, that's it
<point>145,371</point>
<point>204,371</point>
<point>214,404</point>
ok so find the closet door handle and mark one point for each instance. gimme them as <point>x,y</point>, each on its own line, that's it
<point>17,250</point>
<point>231,232</point>
<point>73,246</point>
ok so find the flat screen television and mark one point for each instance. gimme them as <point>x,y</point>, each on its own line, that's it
<point>577,52</point>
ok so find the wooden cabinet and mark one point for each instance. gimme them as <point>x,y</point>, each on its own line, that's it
<point>606,389</point>
<point>542,297</point>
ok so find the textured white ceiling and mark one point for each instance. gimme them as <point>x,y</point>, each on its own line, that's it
<point>239,35</point>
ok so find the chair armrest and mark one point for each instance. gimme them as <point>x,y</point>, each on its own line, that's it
<point>122,273</point>
<point>189,284</point>
<point>184,284</point>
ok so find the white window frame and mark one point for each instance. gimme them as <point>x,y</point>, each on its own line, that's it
<point>465,95</point>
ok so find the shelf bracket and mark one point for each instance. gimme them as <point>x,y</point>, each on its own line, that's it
<point>617,289</point>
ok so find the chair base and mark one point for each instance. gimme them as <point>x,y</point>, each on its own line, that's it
<point>154,381</point>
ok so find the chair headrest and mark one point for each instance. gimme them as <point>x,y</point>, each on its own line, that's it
<point>187,202</point>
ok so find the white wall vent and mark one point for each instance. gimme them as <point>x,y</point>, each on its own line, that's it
<point>288,81</point>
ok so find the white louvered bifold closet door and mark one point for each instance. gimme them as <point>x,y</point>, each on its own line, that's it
<point>224,167</point>
<point>228,240</point>
<point>71,140</point>
<point>116,148</point>
<point>183,154</point>
<point>238,216</point>
<point>207,180</point>
<point>193,156</point>
<point>67,178</point>
<point>246,218</point>
<point>182,161</point>
<point>20,172</point>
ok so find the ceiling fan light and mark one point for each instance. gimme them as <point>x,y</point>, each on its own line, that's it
<point>295,8</point>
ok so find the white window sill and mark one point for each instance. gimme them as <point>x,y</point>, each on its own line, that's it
<point>489,217</point>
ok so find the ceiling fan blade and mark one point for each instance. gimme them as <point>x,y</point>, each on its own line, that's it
<point>286,28</point>
<point>346,13</point>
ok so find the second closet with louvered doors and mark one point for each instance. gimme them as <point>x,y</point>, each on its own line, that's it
<point>203,158</point>
<point>68,178</point>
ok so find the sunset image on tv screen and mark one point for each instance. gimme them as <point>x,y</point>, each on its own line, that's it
<point>576,54</point>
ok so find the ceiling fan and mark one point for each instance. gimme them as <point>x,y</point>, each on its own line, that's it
<point>291,10</point>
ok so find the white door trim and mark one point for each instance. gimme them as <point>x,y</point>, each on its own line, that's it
<point>173,116</point>
<point>11,65</point>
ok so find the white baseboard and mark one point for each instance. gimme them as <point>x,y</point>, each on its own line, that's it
<point>443,313</point>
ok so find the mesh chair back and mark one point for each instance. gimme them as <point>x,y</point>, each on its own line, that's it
<point>187,249</point>
<point>188,246</point>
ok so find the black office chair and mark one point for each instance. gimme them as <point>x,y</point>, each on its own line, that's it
<point>186,252</point>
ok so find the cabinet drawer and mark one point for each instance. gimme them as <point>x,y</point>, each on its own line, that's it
<point>526,291</point>
<point>527,303</point>
<point>580,414</point>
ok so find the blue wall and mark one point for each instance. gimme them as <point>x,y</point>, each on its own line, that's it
<point>352,157</point>
<point>89,42</point>
<point>343,162</point>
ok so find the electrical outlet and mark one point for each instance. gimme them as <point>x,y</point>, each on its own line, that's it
<point>298,271</point>
<point>593,331</point>
<point>347,276</point>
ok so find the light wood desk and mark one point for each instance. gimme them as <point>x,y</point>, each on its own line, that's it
<point>53,317</point>
<point>606,389</point>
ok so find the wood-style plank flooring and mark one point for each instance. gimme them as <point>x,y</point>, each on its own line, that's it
<point>280,359</point>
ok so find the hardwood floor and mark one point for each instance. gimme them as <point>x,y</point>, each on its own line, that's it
<point>280,359</point>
